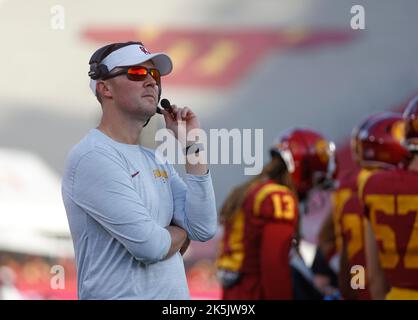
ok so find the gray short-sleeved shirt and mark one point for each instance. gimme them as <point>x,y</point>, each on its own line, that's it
<point>119,200</point>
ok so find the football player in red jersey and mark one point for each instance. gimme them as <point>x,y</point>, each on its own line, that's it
<point>260,217</point>
<point>375,145</point>
<point>390,199</point>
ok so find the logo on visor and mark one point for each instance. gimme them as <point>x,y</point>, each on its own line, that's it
<point>144,50</point>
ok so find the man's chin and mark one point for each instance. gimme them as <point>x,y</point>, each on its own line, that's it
<point>151,110</point>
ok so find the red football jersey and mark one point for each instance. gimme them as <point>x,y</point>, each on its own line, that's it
<point>391,203</point>
<point>349,223</point>
<point>257,242</point>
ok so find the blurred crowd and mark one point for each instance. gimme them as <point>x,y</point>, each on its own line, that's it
<point>31,277</point>
<point>24,277</point>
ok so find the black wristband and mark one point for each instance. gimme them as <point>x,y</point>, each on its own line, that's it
<point>195,148</point>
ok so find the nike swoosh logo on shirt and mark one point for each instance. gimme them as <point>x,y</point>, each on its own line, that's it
<point>135,174</point>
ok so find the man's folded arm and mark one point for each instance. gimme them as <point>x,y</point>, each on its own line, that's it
<point>103,188</point>
<point>195,206</point>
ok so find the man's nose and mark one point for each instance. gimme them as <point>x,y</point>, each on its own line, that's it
<point>150,81</point>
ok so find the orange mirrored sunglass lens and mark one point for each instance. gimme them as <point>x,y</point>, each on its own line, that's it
<point>139,74</point>
<point>138,71</point>
<point>155,73</point>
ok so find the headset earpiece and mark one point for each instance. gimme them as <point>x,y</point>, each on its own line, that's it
<point>98,71</point>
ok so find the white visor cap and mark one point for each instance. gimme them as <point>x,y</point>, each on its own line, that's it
<point>135,54</point>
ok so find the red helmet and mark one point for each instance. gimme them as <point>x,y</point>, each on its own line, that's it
<point>410,117</point>
<point>309,157</point>
<point>376,142</point>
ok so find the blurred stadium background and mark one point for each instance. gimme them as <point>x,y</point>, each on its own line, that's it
<point>266,64</point>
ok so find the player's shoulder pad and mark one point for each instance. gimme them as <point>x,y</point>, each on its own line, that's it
<point>363,177</point>
<point>383,180</point>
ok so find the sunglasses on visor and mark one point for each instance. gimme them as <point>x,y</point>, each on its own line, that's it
<point>137,73</point>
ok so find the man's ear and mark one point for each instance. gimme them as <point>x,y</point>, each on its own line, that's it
<point>103,88</point>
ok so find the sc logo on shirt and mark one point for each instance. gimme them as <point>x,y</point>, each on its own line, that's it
<point>160,174</point>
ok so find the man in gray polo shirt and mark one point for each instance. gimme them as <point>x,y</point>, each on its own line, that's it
<point>131,215</point>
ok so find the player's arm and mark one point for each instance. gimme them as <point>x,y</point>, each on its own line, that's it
<point>375,274</point>
<point>326,237</point>
<point>344,275</point>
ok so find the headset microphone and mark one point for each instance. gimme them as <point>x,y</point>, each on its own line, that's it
<point>166,105</point>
